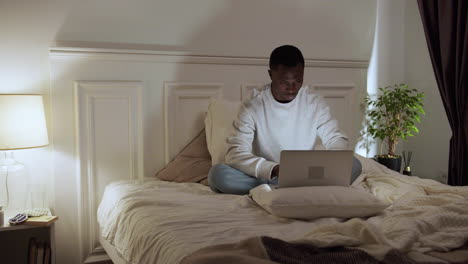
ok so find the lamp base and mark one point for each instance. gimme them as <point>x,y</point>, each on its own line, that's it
<point>8,162</point>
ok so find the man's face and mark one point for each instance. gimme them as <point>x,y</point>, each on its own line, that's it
<point>286,82</point>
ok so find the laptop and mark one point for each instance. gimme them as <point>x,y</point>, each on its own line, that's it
<point>315,168</point>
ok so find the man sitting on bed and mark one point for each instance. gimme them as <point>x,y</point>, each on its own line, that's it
<point>284,115</point>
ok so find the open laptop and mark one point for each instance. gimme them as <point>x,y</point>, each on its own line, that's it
<point>315,168</point>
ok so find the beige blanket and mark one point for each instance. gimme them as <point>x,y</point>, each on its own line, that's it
<point>426,219</point>
<point>266,250</point>
<point>154,221</point>
<point>425,216</point>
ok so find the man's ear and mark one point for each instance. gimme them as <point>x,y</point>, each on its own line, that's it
<point>269,73</point>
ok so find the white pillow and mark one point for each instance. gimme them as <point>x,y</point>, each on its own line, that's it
<point>317,201</point>
<point>218,124</point>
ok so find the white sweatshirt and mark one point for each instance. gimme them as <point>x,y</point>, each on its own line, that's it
<point>265,127</point>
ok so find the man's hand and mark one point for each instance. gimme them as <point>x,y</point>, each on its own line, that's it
<point>275,171</point>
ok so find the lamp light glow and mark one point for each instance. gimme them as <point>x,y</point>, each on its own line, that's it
<point>22,126</point>
<point>22,122</point>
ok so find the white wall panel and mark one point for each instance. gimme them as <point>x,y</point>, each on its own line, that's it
<point>107,128</point>
<point>109,146</point>
<point>341,100</point>
<point>185,109</point>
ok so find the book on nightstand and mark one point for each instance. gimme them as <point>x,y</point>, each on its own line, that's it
<point>41,220</point>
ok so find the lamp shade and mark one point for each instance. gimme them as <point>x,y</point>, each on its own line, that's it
<point>22,122</point>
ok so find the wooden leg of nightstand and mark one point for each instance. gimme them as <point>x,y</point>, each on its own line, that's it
<point>52,244</point>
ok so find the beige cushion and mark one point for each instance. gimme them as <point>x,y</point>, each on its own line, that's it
<point>317,201</point>
<point>218,125</point>
<point>192,164</point>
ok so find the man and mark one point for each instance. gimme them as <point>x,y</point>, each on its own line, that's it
<point>283,116</point>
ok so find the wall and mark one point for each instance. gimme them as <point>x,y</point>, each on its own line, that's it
<point>28,28</point>
<point>387,64</point>
<point>399,55</point>
<point>323,29</point>
<point>211,27</point>
<point>328,29</point>
<point>431,146</point>
<point>133,115</point>
<point>389,46</point>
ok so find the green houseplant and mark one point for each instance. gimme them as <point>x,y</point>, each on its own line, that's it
<point>392,116</point>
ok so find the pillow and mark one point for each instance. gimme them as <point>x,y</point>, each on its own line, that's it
<point>218,124</point>
<point>317,201</point>
<point>192,164</point>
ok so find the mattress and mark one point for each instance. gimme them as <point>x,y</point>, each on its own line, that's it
<point>153,221</point>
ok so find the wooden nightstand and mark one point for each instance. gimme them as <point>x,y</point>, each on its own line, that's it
<point>16,242</point>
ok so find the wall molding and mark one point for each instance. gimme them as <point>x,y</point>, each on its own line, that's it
<point>347,93</point>
<point>88,96</point>
<point>177,96</point>
<point>186,57</point>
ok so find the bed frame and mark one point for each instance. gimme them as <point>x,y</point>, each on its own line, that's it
<point>124,114</point>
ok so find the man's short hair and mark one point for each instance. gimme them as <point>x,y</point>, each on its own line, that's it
<point>286,55</point>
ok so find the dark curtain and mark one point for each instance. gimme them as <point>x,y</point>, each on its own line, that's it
<point>445,24</point>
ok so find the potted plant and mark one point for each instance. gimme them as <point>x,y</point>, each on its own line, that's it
<point>391,116</point>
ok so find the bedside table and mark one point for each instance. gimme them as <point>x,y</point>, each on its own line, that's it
<point>16,242</point>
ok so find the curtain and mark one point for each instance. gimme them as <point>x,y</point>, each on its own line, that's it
<point>445,24</point>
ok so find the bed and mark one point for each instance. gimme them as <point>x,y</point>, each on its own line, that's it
<point>175,218</point>
<point>154,221</point>
<point>121,117</point>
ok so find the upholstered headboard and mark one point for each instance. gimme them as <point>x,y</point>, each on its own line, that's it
<point>123,114</point>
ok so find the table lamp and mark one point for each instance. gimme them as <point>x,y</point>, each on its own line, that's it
<point>22,126</point>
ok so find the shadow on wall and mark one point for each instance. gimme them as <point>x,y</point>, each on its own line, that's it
<point>232,29</point>
<point>323,29</point>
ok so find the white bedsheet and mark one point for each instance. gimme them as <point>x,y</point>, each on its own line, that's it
<point>153,221</point>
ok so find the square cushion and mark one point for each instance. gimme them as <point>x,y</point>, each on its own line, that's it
<point>218,125</point>
<point>192,164</point>
<point>317,201</point>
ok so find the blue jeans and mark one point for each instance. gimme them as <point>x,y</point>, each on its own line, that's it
<point>225,179</point>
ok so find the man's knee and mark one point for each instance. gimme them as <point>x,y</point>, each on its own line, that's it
<point>217,171</point>
<point>226,179</point>
<point>216,176</point>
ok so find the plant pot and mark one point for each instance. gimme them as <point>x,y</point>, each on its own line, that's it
<point>391,162</point>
